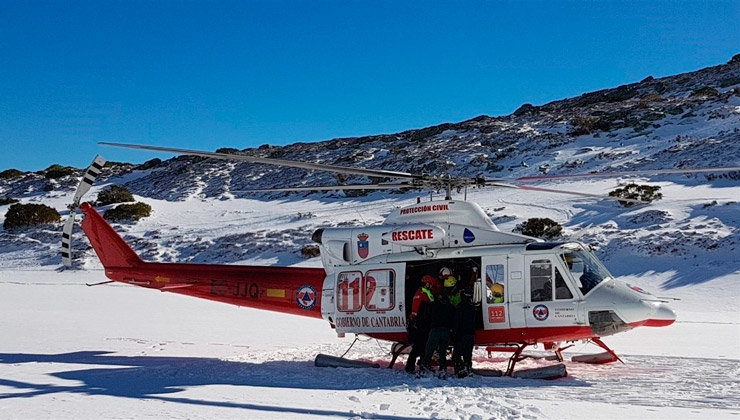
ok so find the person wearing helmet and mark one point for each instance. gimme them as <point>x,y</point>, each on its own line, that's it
<point>497,289</point>
<point>449,280</point>
<point>442,317</point>
<point>464,334</point>
<point>418,324</point>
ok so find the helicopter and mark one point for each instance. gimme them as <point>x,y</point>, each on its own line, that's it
<point>527,291</point>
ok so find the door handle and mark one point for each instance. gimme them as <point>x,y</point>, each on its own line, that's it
<point>526,307</point>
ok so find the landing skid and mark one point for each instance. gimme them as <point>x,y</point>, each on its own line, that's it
<point>600,358</point>
<point>547,372</point>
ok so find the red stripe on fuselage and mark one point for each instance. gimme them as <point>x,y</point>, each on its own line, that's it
<point>259,287</point>
<point>653,323</point>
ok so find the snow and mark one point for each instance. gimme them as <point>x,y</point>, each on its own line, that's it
<point>112,351</point>
<point>71,351</point>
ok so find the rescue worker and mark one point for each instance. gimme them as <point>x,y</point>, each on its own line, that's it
<point>497,290</point>
<point>444,274</point>
<point>442,317</point>
<point>464,334</point>
<point>418,325</point>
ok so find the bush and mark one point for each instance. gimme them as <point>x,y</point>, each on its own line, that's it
<point>4,201</point>
<point>57,171</point>
<point>149,164</point>
<point>128,212</point>
<point>647,193</point>
<point>729,81</point>
<point>705,91</point>
<point>11,174</point>
<point>588,125</point>
<point>544,228</point>
<point>525,109</point>
<point>228,150</point>
<point>22,215</point>
<point>114,194</point>
<point>310,251</point>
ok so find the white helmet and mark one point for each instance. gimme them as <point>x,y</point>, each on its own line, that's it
<point>445,272</point>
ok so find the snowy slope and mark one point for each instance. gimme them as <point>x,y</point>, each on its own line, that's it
<point>70,351</point>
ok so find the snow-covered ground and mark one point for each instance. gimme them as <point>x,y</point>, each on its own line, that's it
<point>117,351</point>
<point>71,351</point>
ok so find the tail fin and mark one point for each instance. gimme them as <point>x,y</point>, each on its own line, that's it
<point>112,250</point>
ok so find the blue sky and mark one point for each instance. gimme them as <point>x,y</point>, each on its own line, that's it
<point>204,75</point>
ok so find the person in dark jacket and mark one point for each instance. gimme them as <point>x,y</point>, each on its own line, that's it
<point>418,325</point>
<point>442,317</point>
<point>464,334</point>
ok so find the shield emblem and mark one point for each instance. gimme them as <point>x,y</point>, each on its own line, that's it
<point>363,246</point>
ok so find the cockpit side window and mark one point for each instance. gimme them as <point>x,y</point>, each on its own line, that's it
<point>540,277</point>
<point>561,289</point>
<point>585,269</point>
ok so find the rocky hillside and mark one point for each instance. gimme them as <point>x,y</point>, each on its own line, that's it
<point>687,120</point>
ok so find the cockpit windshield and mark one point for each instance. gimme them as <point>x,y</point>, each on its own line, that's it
<point>585,268</point>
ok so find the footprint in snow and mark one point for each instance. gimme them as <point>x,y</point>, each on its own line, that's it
<point>384,407</point>
<point>353,398</point>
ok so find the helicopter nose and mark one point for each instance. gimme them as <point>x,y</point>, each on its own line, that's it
<point>662,317</point>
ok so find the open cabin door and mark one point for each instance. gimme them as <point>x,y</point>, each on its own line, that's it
<point>370,298</point>
<point>495,284</point>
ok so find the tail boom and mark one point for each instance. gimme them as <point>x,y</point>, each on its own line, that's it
<point>293,290</point>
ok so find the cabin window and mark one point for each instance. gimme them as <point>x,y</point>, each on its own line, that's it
<point>495,283</point>
<point>561,289</point>
<point>585,269</point>
<point>348,291</point>
<point>380,286</point>
<point>540,277</point>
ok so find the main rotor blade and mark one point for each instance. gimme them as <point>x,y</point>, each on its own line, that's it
<point>333,188</point>
<point>628,173</point>
<point>580,194</point>
<point>269,161</point>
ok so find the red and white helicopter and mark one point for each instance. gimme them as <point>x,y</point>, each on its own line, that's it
<point>554,293</point>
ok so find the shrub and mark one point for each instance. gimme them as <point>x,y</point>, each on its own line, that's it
<point>11,174</point>
<point>651,97</point>
<point>525,109</point>
<point>22,215</point>
<point>128,212</point>
<point>310,251</point>
<point>149,164</point>
<point>228,150</point>
<point>647,193</point>
<point>114,194</point>
<point>57,171</point>
<point>729,81</point>
<point>588,125</point>
<point>705,92</point>
<point>4,201</point>
<point>544,228</point>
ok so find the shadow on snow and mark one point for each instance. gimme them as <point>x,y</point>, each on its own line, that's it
<point>152,377</point>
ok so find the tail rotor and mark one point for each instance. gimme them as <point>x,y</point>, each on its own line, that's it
<point>91,174</point>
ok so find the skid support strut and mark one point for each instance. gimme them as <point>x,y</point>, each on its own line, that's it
<point>396,350</point>
<point>601,344</point>
<point>517,356</point>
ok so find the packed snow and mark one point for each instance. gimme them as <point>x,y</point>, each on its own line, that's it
<point>112,351</point>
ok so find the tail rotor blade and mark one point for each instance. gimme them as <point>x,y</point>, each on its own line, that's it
<point>88,179</point>
<point>67,239</point>
<point>91,174</point>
